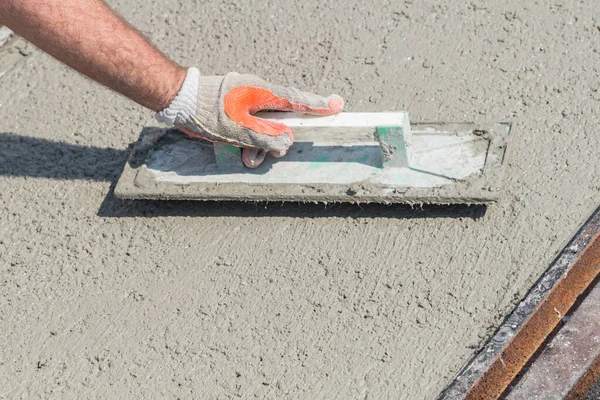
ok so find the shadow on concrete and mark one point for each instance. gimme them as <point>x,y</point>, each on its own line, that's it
<point>42,158</point>
<point>114,207</point>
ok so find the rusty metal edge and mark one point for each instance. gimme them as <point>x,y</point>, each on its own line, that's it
<point>489,372</point>
<point>564,363</point>
<point>538,326</point>
<point>585,383</point>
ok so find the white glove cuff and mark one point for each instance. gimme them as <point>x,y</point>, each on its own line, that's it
<point>185,103</point>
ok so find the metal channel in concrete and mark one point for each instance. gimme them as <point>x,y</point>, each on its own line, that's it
<point>489,373</point>
<point>569,363</point>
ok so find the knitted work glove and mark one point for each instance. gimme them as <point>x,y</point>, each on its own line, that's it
<point>221,108</point>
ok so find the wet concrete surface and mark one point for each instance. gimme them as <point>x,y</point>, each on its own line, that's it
<point>107,298</point>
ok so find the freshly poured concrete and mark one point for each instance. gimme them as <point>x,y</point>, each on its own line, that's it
<point>110,299</point>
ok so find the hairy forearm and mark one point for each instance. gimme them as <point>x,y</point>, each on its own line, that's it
<point>90,38</point>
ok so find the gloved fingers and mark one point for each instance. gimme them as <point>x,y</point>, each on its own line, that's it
<point>277,145</point>
<point>241,102</point>
<point>260,95</point>
<point>295,100</point>
<point>258,145</point>
<point>279,154</point>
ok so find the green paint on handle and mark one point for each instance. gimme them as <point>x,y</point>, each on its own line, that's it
<point>227,154</point>
<point>394,151</point>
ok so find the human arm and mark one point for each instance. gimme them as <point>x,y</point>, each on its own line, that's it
<point>89,37</point>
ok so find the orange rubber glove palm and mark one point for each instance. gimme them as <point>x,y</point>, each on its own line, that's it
<point>221,108</point>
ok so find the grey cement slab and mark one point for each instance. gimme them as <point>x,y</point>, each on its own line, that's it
<point>108,298</point>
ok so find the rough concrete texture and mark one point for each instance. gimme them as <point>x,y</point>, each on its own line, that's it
<point>105,298</point>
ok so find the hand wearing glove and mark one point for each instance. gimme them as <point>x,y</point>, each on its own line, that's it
<point>221,108</point>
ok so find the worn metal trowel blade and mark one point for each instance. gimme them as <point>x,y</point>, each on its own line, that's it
<point>342,158</point>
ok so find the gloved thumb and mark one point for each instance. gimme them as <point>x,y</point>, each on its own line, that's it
<point>252,158</point>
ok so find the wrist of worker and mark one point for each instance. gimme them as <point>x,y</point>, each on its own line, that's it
<point>185,103</point>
